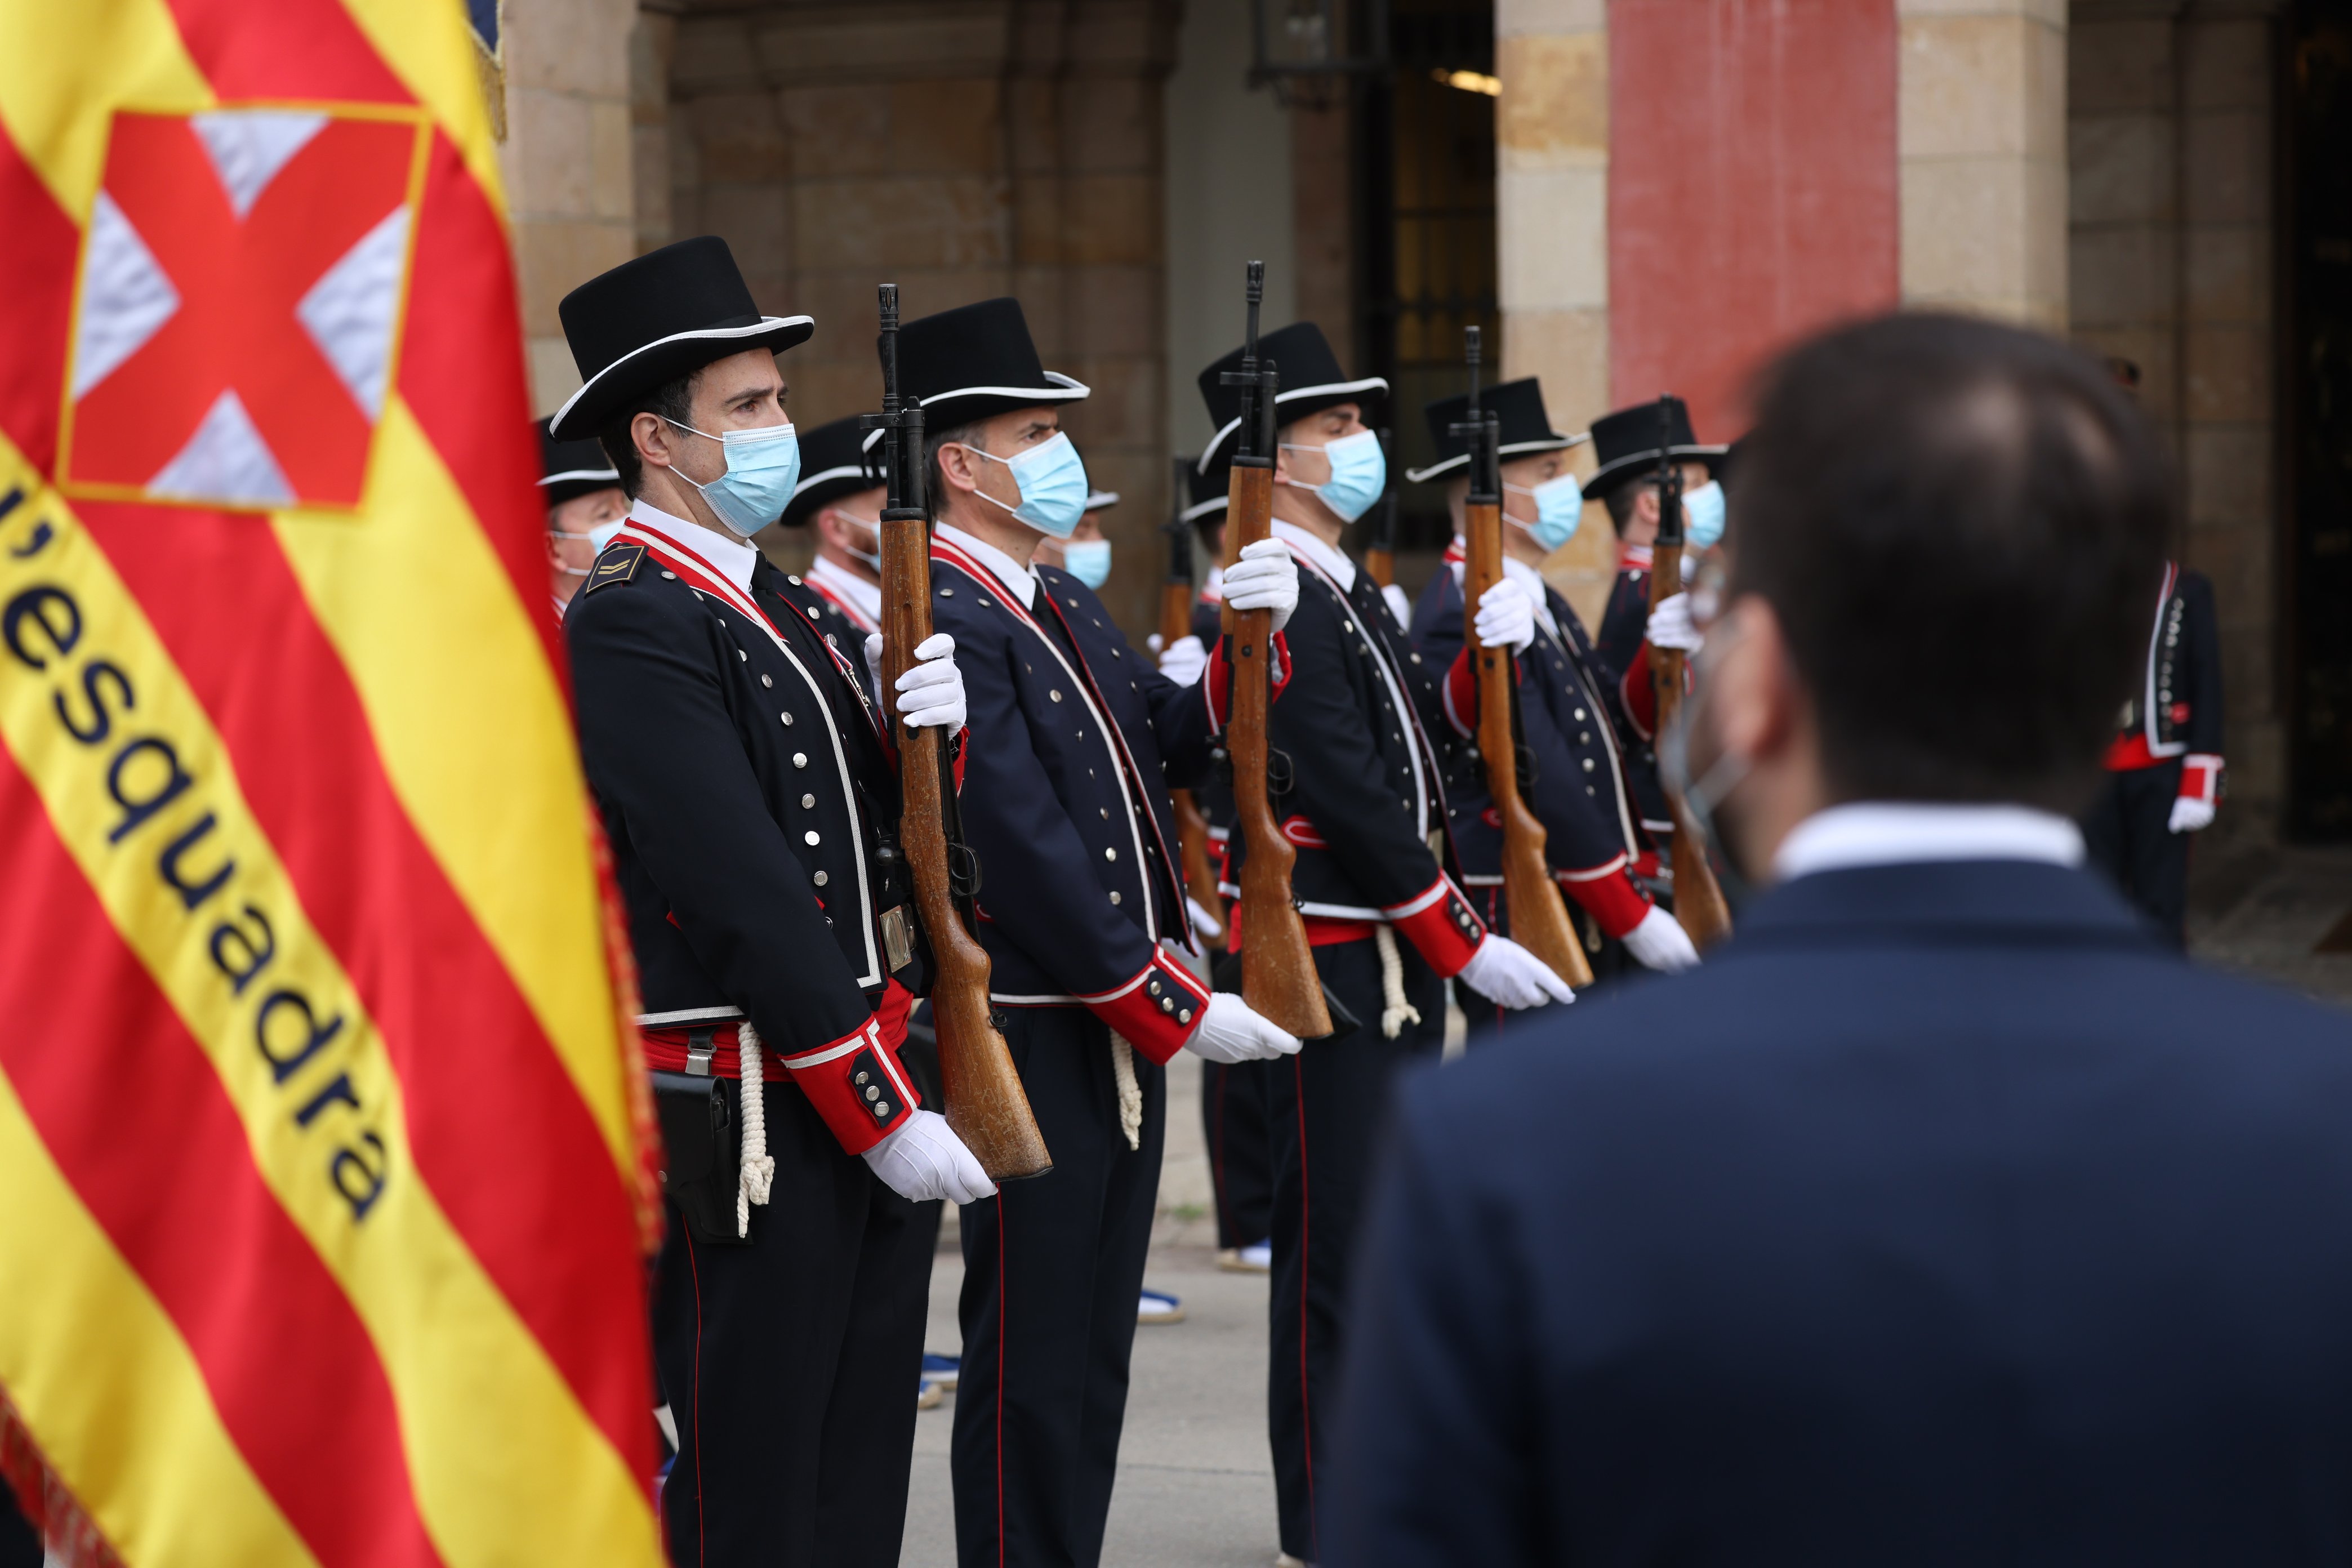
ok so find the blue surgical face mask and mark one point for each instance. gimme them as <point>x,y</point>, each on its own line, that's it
<point>1088,560</point>
<point>1053,480</point>
<point>872,525</point>
<point>1358,473</point>
<point>762,467</point>
<point>1703,506</point>
<point>602,535</point>
<point>1559,507</point>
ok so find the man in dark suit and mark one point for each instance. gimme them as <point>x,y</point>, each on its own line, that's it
<point>1943,1215</point>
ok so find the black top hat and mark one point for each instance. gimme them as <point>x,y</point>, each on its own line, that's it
<point>1310,382</point>
<point>664,315</point>
<point>1626,442</point>
<point>1208,495</point>
<point>976,360</point>
<point>836,459</point>
<point>1526,427</point>
<point>572,468</point>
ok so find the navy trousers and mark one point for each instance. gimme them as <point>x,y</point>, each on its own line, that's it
<point>2128,834</point>
<point>1052,1269</point>
<point>1233,1119</point>
<point>791,1364</point>
<point>1327,1110</point>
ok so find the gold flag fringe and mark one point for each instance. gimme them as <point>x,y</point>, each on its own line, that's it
<point>71,1539</point>
<point>491,65</point>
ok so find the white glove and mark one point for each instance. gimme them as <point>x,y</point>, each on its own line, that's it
<point>1230,1033</point>
<point>2189,814</point>
<point>932,691</point>
<point>1264,578</point>
<point>1690,567</point>
<point>1399,605</point>
<point>1506,617</point>
<point>1512,975</point>
<point>1660,943</point>
<point>1184,660</point>
<point>923,1159</point>
<point>1670,626</point>
<point>1207,924</point>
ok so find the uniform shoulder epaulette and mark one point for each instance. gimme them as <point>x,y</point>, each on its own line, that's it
<point>618,565</point>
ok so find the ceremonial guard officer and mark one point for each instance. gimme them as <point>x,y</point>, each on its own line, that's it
<point>584,503</point>
<point>1626,444</point>
<point>839,499</point>
<point>1577,787</point>
<point>2164,766</point>
<point>1363,800</point>
<point>748,799</point>
<point>1076,739</point>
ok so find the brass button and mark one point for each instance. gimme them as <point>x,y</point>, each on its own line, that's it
<point>1114,898</point>
<point>800,759</point>
<point>1056,695</point>
<point>807,801</point>
<point>873,1091</point>
<point>766,680</point>
<point>812,838</point>
<point>672,577</point>
<point>1110,853</point>
<point>861,1077</point>
<point>787,718</point>
<point>820,878</point>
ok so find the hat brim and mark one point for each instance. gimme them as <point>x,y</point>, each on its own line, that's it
<point>664,359</point>
<point>574,483</point>
<point>1609,476</point>
<point>1199,511</point>
<point>1555,442</point>
<point>1292,405</point>
<point>1098,499</point>
<point>963,405</point>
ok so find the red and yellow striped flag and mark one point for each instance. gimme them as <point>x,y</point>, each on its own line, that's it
<point>323,1198</point>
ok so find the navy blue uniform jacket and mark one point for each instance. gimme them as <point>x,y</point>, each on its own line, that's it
<point>1578,788</point>
<point>1072,747</point>
<point>1941,1218</point>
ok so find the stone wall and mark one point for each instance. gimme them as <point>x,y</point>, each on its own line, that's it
<point>2170,146</point>
<point>962,149</point>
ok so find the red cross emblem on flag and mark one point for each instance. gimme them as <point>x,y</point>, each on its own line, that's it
<point>239,305</point>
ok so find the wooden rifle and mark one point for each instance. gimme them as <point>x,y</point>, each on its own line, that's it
<point>1279,977</point>
<point>1698,899</point>
<point>986,1106</point>
<point>1539,918</point>
<point>1175,623</point>
<point>1380,550</point>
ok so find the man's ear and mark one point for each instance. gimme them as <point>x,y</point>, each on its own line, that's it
<point>1754,692</point>
<point>651,438</point>
<point>956,466</point>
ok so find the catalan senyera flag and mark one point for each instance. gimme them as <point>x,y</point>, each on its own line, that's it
<point>323,1199</point>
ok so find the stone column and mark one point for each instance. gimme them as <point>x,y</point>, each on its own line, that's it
<point>1982,144</point>
<point>567,162</point>
<point>1552,198</point>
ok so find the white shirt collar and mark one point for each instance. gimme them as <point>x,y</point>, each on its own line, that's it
<point>733,557</point>
<point>1341,570</point>
<point>1900,833</point>
<point>1526,577</point>
<point>867,596</point>
<point>1015,579</point>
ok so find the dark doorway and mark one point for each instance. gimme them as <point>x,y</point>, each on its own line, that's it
<point>2317,266</point>
<point>1426,211</point>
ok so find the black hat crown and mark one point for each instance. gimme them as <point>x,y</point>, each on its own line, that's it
<point>1517,405</point>
<point>1310,380</point>
<point>1626,443</point>
<point>1207,493</point>
<point>648,322</point>
<point>976,360</point>
<point>837,459</point>
<point>569,469</point>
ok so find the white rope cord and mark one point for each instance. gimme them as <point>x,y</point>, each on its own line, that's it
<point>1130,1093</point>
<point>1395,1011</point>
<point>758,1169</point>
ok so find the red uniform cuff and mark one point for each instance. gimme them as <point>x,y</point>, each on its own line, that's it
<point>2201,778</point>
<point>1217,685</point>
<point>858,1087</point>
<point>1441,926</point>
<point>1156,1011</point>
<point>1460,694</point>
<point>1606,893</point>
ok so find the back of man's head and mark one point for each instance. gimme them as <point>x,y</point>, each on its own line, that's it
<point>1960,527</point>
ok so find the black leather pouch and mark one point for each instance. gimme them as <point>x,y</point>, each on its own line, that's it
<point>702,1143</point>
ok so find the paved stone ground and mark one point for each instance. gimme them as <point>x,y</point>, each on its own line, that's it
<point>1196,1489</point>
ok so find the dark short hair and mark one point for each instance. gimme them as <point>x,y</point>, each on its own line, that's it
<point>672,400</point>
<point>1621,500</point>
<point>934,484</point>
<point>1961,526</point>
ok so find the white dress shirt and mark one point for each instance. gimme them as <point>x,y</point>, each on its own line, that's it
<point>1334,562</point>
<point>1015,578</point>
<point>733,557</point>
<point>1910,833</point>
<point>867,596</point>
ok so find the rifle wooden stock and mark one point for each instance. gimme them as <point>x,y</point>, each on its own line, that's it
<point>1278,978</point>
<point>1698,899</point>
<point>1380,562</point>
<point>986,1105</point>
<point>1191,828</point>
<point>1539,919</point>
